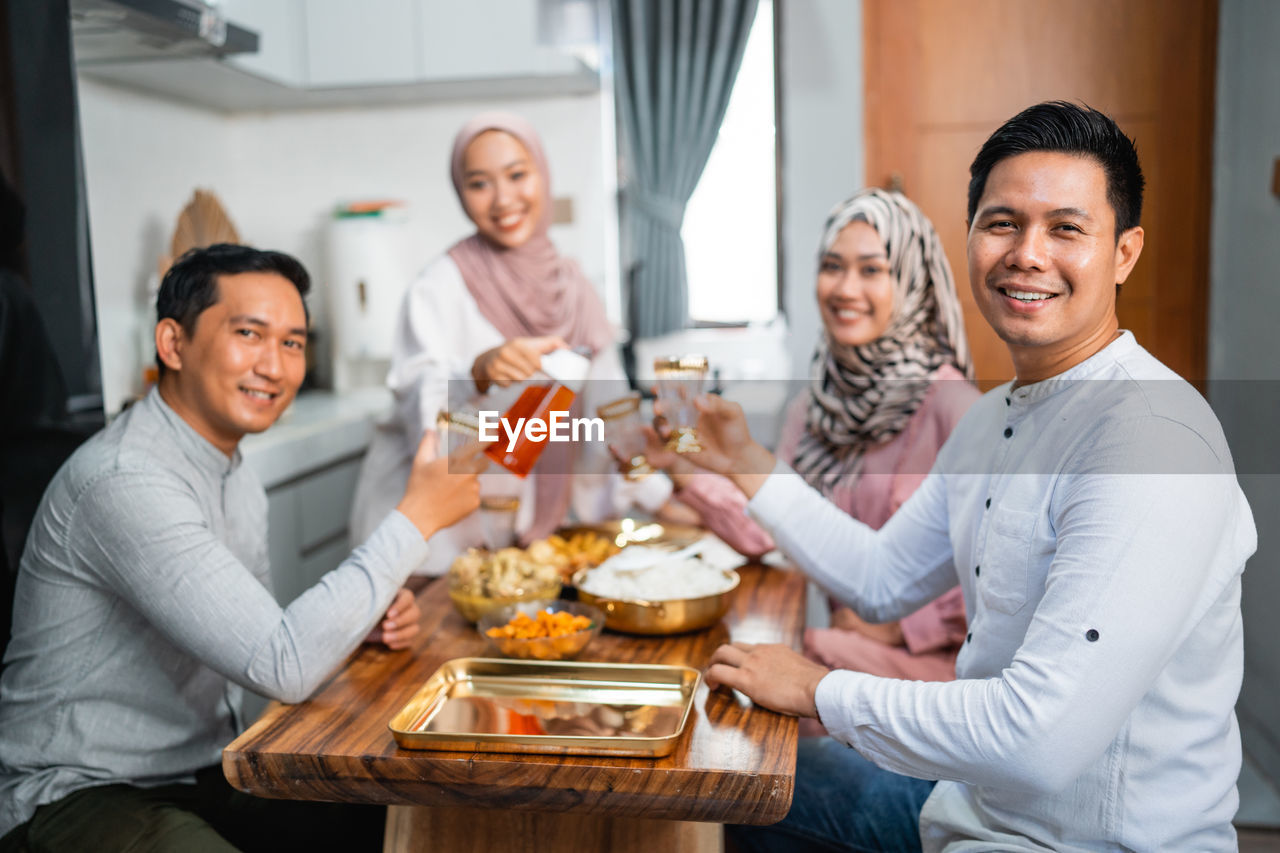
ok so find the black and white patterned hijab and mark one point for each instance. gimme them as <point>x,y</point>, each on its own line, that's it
<point>861,396</point>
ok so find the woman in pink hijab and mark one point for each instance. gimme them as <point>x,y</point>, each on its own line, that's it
<point>477,320</point>
<point>520,282</point>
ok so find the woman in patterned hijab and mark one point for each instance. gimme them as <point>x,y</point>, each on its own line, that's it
<point>891,319</point>
<point>886,389</point>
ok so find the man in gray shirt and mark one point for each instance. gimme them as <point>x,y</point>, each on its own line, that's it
<point>143,604</point>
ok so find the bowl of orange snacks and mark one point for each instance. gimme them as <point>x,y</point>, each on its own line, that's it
<point>541,630</point>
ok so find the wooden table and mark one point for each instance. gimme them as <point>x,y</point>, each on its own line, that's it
<point>735,763</point>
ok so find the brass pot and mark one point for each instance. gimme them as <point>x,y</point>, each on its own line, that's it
<point>675,616</point>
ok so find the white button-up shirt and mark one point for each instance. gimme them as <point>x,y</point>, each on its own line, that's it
<point>1097,529</point>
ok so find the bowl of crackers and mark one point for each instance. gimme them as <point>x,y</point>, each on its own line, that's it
<point>480,581</point>
<point>541,630</point>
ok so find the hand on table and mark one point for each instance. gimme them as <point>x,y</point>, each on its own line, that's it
<point>775,676</point>
<point>399,624</point>
<point>513,361</point>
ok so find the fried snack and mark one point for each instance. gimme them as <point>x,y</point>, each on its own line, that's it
<point>545,624</point>
<point>546,636</point>
<point>583,549</point>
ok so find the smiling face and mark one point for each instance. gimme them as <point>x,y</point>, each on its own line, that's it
<point>855,288</point>
<point>242,364</point>
<point>1044,260</point>
<point>502,190</point>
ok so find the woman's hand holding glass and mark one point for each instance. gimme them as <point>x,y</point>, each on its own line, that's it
<point>648,446</point>
<point>514,361</point>
<point>624,433</point>
<point>726,444</point>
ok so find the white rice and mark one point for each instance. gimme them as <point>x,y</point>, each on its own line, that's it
<point>689,577</point>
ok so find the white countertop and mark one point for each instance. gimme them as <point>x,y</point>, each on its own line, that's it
<point>320,428</point>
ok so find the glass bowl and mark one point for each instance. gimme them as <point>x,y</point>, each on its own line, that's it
<point>564,647</point>
<point>480,582</point>
<point>474,606</point>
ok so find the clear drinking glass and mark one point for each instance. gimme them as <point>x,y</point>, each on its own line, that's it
<point>499,505</point>
<point>624,430</point>
<point>456,427</point>
<point>500,490</point>
<point>680,378</point>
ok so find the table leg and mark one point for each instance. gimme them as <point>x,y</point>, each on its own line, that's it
<point>415,828</point>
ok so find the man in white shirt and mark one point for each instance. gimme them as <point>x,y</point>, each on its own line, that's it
<point>1091,513</point>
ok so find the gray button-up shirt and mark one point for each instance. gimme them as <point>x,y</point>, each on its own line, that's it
<point>143,606</point>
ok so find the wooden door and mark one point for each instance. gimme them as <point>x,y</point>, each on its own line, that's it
<point>941,75</point>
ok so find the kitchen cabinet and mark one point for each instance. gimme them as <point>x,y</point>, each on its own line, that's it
<point>370,43</point>
<point>307,526</point>
<point>482,39</point>
<point>335,53</point>
<point>282,54</point>
<point>308,463</point>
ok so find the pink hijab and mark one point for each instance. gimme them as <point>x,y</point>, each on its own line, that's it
<point>531,289</point>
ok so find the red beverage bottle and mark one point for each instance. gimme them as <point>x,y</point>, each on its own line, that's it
<point>551,389</point>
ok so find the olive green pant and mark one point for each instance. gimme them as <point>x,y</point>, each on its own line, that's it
<point>207,816</point>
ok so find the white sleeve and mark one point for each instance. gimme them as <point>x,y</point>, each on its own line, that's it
<point>883,575</point>
<point>1140,560</point>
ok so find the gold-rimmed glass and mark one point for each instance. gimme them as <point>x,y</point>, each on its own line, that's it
<point>456,426</point>
<point>624,430</point>
<point>681,378</point>
<point>500,490</point>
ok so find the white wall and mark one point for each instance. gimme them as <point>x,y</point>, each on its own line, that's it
<point>281,174</point>
<point>142,159</point>
<point>822,146</point>
<point>1244,363</point>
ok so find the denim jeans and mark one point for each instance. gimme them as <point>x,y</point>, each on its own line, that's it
<point>842,802</point>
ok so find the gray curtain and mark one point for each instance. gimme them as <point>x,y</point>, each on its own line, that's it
<point>675,63</point>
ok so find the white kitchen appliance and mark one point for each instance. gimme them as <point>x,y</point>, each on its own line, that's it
<point>370,268</point>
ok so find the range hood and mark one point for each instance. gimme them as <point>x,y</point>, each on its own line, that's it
<point>110,31</point>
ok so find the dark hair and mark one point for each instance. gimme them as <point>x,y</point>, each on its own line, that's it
<point>191,284</point>
<point>1071,129</point>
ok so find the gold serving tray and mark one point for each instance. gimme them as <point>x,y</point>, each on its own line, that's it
<point>557,707</point>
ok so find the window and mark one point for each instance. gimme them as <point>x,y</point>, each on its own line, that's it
<point>730,226</point>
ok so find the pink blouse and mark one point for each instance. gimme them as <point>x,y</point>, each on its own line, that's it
<point>890,473</point>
